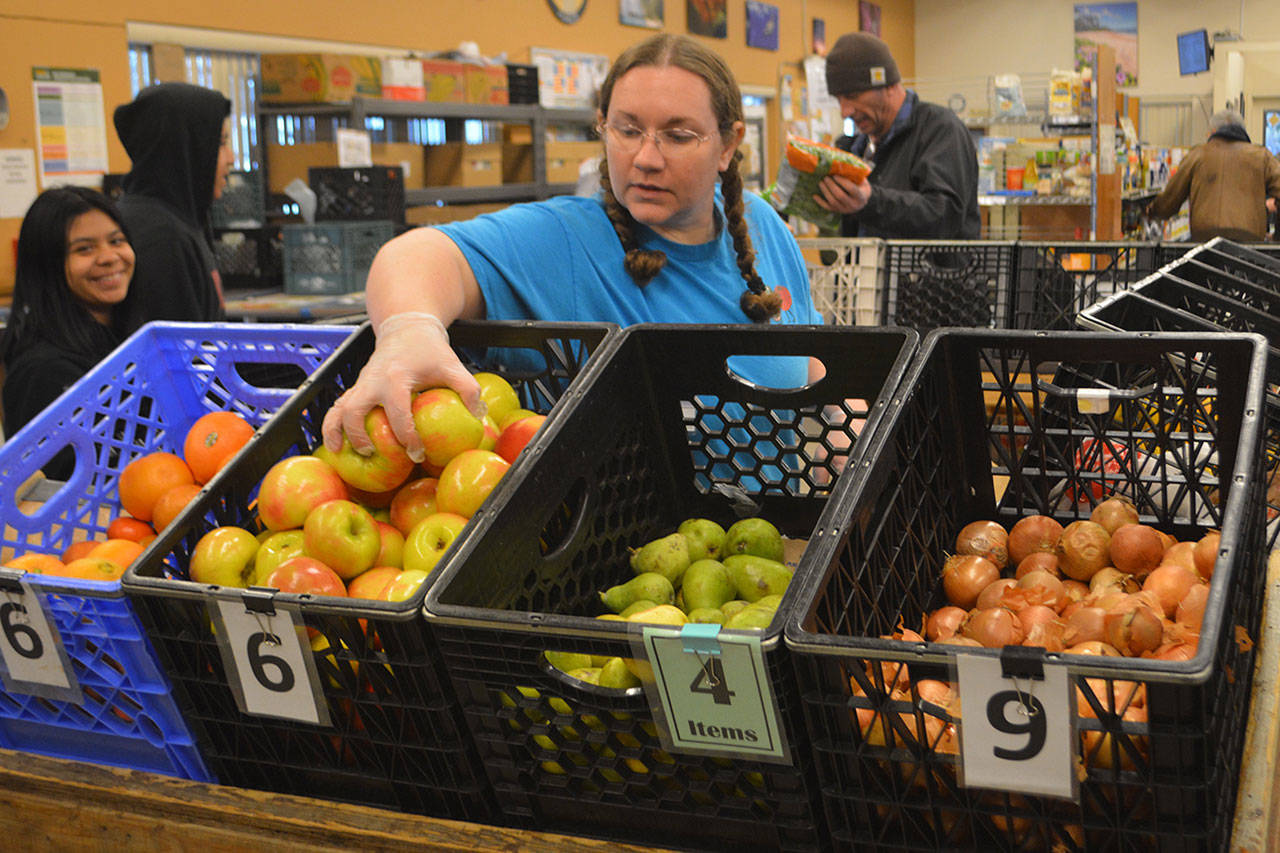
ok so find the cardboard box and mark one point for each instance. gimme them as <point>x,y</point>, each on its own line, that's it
<point>517,162</point>
<point>444,81</point>
<point>305,77</point>
<point>565,158</point>
<point>486,84</point>
<point>430,214</point>
<point>286,162</point>
<point>402,79</point>
<point>456,164</point>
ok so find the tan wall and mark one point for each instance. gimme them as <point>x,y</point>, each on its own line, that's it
<point>91,34</point>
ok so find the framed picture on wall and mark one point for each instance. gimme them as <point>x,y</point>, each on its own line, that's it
<point>762,25</point>
<point>869,17</point>
<point>820,36</point>
<point>708,18</point>
<point>641,13</point>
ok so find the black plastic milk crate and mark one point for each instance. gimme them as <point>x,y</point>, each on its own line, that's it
<point>327,258</point>
<point>397,738</point>
<point>249,258</point>
<point>663,431</point>
<point>1170,252</point>
<point>934,283</point>
<point>367,192</point>
<point>1255,263</point>
<point>1180,415</point>
<point>241,204</point>
<point>522,84</point>
<point>1056,281</point>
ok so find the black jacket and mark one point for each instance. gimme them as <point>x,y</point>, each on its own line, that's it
<point>172,133</point>
<point>925,180</point>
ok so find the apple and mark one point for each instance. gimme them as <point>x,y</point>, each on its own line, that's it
<point>292,487</point>
<point>392,551</point>
<point>429,539</point>
<point>468,479</point>
<point>273,549</point>
<point>514,416</point>
<point>445,425</point>
<point>499,397</point>
<point>372,500</point>
<point>224,556</point>
<point>303,574</point>
<point>404,586</point>
<point>516,436</point>
<point>491,433</point>
<point>342,535</point>
<point>414,501</point>
<point>371,583</point>
<point>384,469</point>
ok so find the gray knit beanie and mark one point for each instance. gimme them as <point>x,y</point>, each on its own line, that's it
<point>860,61</point>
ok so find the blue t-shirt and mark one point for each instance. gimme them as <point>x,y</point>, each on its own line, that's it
<point>560,259</point>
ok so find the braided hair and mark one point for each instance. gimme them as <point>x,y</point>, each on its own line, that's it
<point>759,302</point>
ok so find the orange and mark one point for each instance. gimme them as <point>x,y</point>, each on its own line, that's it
<point>36,563</point>
<point>170,504</point>
<point>92,569</point>
<point>122,552</point>
<point>212,440</point>
<point>146,478</point>
<point>125,527</point>
<point>80,549</point>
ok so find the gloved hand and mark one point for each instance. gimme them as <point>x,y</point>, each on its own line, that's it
<point>412,354</point>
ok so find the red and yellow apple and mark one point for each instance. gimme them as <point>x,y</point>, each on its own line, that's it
<point>303,574</point>
<point>273,549</point>
<point>467,480</point>
<point>429,539</point>
<point>414,501</point>
<point>499,397</point>
<point>382,470</point>
<point>224,556</point>
<point>517,435</point>
<point>342,535</point>
<point>392,551</point>
<point>404,586</point>
<point>293,487</point>
<point>370,584</point>
<point>514,416</point>
<point>445,425</point>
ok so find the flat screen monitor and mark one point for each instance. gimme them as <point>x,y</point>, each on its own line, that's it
<point>1193,52</point>
<point>1271,131</point>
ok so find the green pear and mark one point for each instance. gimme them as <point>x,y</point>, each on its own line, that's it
<point>753,536</point>
<point>731,607</point>
<point>567,661</point>
<point>668,556</point>
<point>752,617</point>
<point>616,675</point>
<point>636,607</point>
<point>647,586</point>
<point>589,674</point>
<point>661,614</point>
<point>755,577</point>
<point>707,583</point>
<point>706,538</point>
<point>707,615</point>
<point>769,601</point>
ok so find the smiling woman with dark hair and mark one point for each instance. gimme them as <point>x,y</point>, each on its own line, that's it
<point>71,289</point>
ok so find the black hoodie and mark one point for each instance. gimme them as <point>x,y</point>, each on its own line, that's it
<point>172,133</point>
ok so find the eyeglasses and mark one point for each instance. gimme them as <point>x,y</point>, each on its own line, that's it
<point>670,141</point>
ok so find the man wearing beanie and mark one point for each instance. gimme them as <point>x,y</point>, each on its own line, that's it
<point>924,183</point>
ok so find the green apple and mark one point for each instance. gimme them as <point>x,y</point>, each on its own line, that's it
<point>429,540</point>
<point>413,501</point>
<point>382,470</point>
<point>498,395</point>
<point>467,480</point>
<point>276,547</point>
<point>343,535</point>
<point>224,556</point>
<point>444,425</point>
<point>294,486</point>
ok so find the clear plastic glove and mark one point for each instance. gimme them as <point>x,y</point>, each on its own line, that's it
<point>412,354</point>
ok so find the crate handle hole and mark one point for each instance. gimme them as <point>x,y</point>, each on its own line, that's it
<point>736,365</point>
<point>271,374</point>
<point>565,524</point>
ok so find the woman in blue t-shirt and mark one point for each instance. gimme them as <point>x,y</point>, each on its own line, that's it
<point>672,237</point>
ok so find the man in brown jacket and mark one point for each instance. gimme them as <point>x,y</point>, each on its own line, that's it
<point>1229,180</point>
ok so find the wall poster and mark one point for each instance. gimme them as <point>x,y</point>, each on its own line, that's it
<point>641,13</point>
<point>708,18</point>
<point>1114,24</point>
<point>71,129</point>
<point>762,25</point>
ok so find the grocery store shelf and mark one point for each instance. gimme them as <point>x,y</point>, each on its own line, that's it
<point>1046,200</point>
<point>503,192</point>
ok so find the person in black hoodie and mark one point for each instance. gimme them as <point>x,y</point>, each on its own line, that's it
<point>71,294</point>
<point>924,183</point>
<point>177,136</point>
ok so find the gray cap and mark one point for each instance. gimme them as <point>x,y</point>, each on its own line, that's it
<point>860,61</point>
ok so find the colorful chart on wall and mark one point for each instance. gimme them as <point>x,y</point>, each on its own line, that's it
<point>762,25</point>
<point>641,13</point>
<point>567,78</point>
<point>708,18</point>
<point>71,131</point>
<point>1114,24</point>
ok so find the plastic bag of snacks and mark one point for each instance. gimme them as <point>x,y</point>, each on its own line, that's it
<point>804,167</point>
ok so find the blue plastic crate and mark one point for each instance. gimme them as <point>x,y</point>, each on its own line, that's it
<point>141,398</point>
